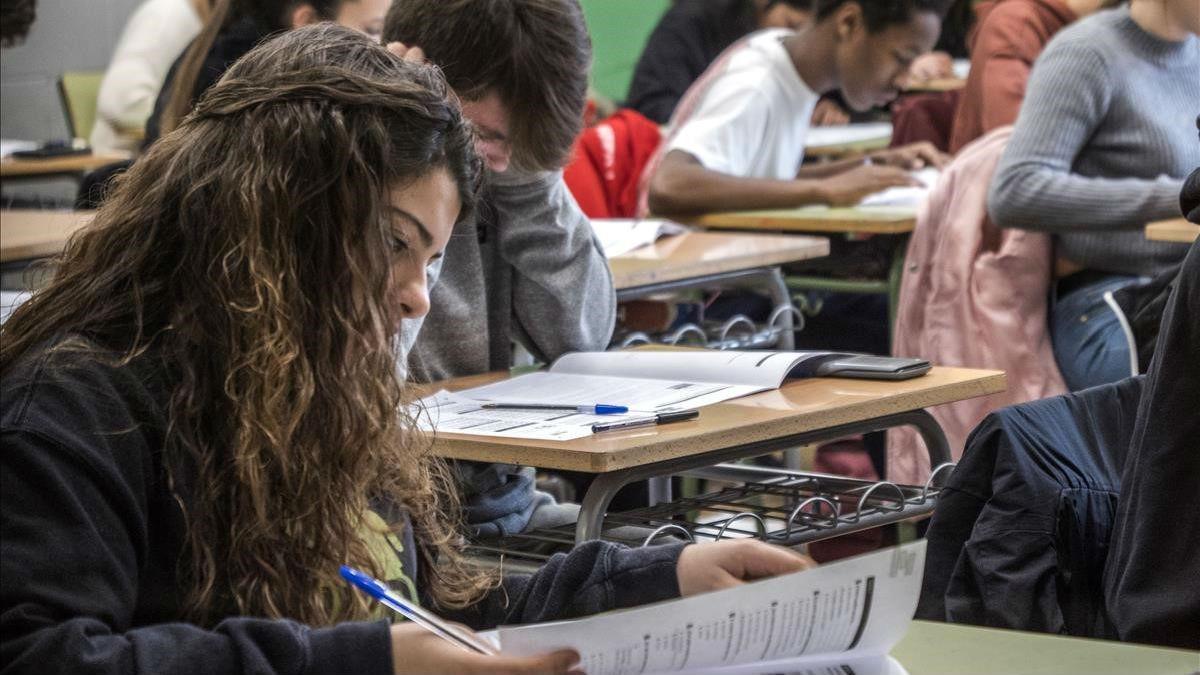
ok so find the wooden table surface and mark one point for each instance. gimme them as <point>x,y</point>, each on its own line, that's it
<point>857,219</point>
<point>56,166</point>
<point>1176,229</point>
<point>697,254</point>
<point>26,234</point>
<point>932,648</point>
<point>823,142</point>
<point>799,406</point>
<point>937,85</point>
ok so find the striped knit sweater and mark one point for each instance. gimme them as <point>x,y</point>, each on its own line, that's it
<point>1102,144</point>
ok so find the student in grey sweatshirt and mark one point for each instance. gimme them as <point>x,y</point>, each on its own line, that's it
<point>1101,147</point>
<point>527,269</point>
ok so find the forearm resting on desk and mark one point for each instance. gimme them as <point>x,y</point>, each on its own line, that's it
<point>683,185</point>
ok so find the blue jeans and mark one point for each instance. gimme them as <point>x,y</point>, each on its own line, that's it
<point>1090,344</point>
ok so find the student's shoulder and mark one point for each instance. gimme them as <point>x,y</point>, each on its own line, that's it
<point>68,388</point>
<point>1092,39</point>
<point>1013,23</point>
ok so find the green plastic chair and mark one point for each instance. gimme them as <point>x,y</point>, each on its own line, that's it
<point>79,90</point>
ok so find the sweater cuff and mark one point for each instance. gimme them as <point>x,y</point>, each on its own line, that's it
<point>639,576</point>
<point>363,647</point>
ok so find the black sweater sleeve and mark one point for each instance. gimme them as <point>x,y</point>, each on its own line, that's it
<point>675,55</point>
<point>82,567</point>
<point>594,577</point>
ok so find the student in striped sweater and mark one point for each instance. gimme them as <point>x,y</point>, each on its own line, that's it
<point>1101,147</point>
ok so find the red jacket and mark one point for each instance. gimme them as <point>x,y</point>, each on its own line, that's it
<point>607,163</point>
<point>1007,38</point>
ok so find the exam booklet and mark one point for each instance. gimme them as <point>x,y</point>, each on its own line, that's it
<point>910,195</point>
<point>621,235</point>
<point>646,382</point>
<point>840,618</point>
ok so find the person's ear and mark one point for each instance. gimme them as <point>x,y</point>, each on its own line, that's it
<point>303,14</point>
<point>849,20</point>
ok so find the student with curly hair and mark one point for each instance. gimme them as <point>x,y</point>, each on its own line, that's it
<point>199,413</point>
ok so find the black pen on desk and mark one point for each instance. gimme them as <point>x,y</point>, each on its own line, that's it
<point>660,418</point>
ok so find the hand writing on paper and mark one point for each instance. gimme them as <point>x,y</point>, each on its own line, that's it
<point>828,113</point>
<point>849,187</point>
<point>412,54</point>
<point>416,650</point>
<point>912,156</point>
<point>713,566</point>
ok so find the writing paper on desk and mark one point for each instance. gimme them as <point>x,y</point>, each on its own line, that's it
<point>644,381</point>
<point>621,235</point>
<point>911,195</point>
<point>848,612</point>
<point>847,134</point>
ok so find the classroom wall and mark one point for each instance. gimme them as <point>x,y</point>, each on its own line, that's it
<point>619,29</point>
<point>68,35</point>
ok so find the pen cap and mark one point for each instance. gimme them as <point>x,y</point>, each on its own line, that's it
<point>364,583</point>
<point>677,416</point>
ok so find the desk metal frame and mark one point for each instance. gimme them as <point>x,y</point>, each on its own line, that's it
<point>605,486</point>
<point>771,278</point>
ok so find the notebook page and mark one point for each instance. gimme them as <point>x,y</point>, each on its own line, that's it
<point>765,369</point>
<point>853,610</point>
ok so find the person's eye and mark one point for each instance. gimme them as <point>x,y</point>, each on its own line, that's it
<point>398,244</point>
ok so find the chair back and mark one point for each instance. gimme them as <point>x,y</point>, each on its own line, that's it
<point>79,90</point>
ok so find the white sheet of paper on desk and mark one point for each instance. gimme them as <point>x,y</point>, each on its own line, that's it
<point>851,612</point>
<point>9,145</point>
<point>845,134</point>
<point>905,196</point>
<point>445,412</point>
<point>621,235</point>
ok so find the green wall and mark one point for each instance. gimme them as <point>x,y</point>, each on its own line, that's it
<point>619,30</point>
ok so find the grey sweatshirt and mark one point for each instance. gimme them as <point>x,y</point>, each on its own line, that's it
<point>528,268</point>
<point>1103,143</point>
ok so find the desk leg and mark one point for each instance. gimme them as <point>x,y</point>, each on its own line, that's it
<point>780,295</point>
<point>605,486</point>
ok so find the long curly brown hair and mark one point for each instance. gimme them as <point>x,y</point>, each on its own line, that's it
<point>248,251</point>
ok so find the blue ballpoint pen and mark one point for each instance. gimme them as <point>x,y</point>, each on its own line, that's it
<point>598,409</point>
<point>431,622</point>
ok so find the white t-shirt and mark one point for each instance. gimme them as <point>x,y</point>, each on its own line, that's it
<point>155,35</point>
<point>748,114</point>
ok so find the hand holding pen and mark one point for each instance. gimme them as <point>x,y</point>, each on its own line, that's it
<point>430,644</point>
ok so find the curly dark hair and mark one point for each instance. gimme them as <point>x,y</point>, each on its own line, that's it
<point>15,18</point>
<point>246,250</point>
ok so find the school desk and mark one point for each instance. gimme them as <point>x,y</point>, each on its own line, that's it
<point>48,167</point>
<point>896,220</point>
<point>933,648</point>
<point>936,85</point>
<point>1176,229</point>
<point>701,260</point>
<point>844,140</point>
<point>801,412</point>
<point>26,234</point>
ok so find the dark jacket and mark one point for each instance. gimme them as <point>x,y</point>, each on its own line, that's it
<point>1150,581</point>
<point>1021,532</point>
<point>686,40</point>
<point>92,537</point>
<point>231,44</point>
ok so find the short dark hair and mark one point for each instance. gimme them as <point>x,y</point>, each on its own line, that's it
<point>15,18</point>
<point>879,14</point>
<point>534,54</point>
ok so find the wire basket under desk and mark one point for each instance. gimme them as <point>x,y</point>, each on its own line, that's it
<point>779,506</point>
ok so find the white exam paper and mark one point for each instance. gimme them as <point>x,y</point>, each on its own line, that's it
<point>848,612</point>
<point>621,235</point>
<point>905,196</point>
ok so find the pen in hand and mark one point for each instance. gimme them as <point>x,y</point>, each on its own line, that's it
<point>428,620</point>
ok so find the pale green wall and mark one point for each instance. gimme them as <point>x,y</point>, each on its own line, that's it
<point>619,30</point>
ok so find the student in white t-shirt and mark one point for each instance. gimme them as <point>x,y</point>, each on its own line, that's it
<point>155,35</point>
<point>737,138</point>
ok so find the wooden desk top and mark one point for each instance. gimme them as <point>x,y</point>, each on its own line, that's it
<point>696,254</point>
<point>1176,229</point>
<point>56,166</point>
<point>797,407</point>
<point>26,234</point>
<point>826,143</point>
<point>868,219</point>
<point>937,85</point>
<point>932,648</point>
